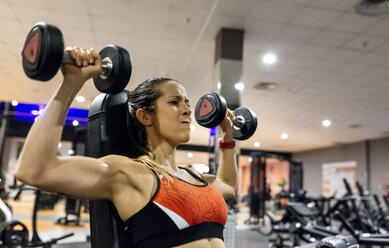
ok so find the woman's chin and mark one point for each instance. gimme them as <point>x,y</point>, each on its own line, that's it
<point>185,140</point>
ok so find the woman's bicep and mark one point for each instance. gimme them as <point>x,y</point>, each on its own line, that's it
<point>79,177</point>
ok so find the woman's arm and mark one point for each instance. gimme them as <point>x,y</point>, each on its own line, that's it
<point>38,164</point>
<point>226,180</point>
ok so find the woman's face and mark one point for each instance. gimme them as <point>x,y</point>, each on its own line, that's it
<point>172,116</point>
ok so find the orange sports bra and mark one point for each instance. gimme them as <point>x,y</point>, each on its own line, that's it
<point>178,213</point>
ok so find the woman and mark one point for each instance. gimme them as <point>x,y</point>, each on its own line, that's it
<point>161,204</point>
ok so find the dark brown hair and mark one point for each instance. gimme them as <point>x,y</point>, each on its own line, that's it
<point>144,97</point>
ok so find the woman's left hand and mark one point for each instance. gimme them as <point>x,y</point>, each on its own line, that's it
<point>227,125</point>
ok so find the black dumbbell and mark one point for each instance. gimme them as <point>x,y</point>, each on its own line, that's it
<point>13,234</point>
<point>43,54</point>
<point>211,110</point>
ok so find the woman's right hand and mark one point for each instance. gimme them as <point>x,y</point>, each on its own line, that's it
<point>87,65</point>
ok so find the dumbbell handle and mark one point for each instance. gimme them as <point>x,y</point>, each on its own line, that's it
<point>238,121</point>
<point>106,64</point>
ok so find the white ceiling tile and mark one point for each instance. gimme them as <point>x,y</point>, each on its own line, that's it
<point>317,18</point>
<point>5,52</point>
<point>354,69</point>
<point>14,40</point>
<point>174,47</point>
<point>343,55</point>
<point>278,12</point>
<point>202,5</point>
<point>112,25</point>
<point>10,26</point>
<point>374,59</point>
<point>73,6</point>
<point>6,11</point>
<point>147,13</point>
<point>109,9</point>
<point>143,30</point>
<point>352,23</point>
<point>36,4</point>
<point>187,18</point>
<point>73,20</point>
<point>297,2</point>
<point>379,72</point>
<point>206,47</point>
<point>325,65</point>
<point>156,3</point>
<point>311,51</point>
<point>383,49</point>
<point>297,34</point>
<point>330,38</point>
<point>365,43</point>
<point>312,75</point>
<point>262,30</point>
<point>180,34</point>
<point>243,9</point>
<point>78,37</point>
<point>101,39</point>
<point>380,28</point>
<point>343,5</point>
<point>34,14</point>
<point>294,61</point>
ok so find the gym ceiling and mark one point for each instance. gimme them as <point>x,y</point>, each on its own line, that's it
<point>332,62</point>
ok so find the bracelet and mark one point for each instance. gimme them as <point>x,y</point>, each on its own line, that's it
<point>226,145</point>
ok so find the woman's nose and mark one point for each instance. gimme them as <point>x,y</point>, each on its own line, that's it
<point>187,110</point>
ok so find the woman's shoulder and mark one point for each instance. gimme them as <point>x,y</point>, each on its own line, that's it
<point>125,164</point>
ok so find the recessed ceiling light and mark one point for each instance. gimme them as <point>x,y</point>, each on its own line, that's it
<point>14,103</point>
<point>75,123</point>
<point>257,144</point>
<point>269,58</point>
<point>326,123</point>
<point>355,125</point>
<point>190,155</point>
<point>80,99</point>
<point>250,159</point>
<point>239,86</point>
<point>266,86</point>
<point>284,136</point>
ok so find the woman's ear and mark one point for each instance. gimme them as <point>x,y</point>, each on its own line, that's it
<point>144,117</point>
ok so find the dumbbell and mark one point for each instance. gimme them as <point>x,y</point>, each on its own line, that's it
<point>13,234</point>
<point>212,108</point>
<point>43,54</point>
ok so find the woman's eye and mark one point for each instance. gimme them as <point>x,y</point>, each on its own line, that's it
<point>174,102</point>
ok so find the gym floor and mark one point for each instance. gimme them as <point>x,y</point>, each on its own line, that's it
<point>46,222</point>
<point>48,229</point>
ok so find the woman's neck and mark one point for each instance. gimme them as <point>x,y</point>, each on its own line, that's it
<point>165,155</point>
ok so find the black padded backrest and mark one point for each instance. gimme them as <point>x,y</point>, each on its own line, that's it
<point>107,134</point>
<point>300,209</point>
